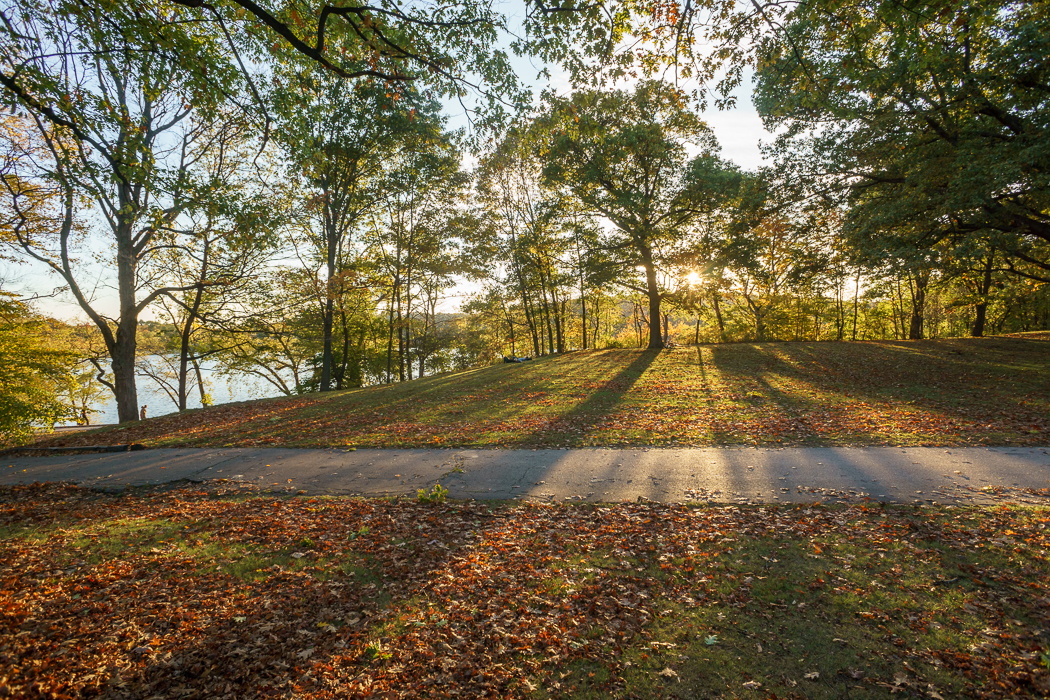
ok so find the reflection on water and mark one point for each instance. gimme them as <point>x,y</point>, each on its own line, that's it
<point>241,387</point>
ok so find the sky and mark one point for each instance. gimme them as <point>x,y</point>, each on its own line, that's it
<point>738,130</point>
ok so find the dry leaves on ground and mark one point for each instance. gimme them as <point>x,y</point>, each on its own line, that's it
<point>188,593</point>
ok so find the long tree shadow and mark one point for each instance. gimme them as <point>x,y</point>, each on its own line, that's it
<point>759,363</point>
<point>602,402</point>
<point>430,601</point>
<point>962,381</point>
<point>164,624</point>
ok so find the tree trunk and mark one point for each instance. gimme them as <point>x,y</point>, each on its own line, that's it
<point>407,322</point>
<point>205,400</point>
<point>530,315</point>
<point>332,242</point>
<point>559,315</point>
<point>918,305</point>
<point>534,324</point>
<point>653,291</point>
<point>326,352</point>
<point>583,309</point>
<point>390,340</point>
<point>840,321</point>
<point>546,312</point>
<point>123,364</point>
<point>856,299</point>
<point>356,376</point>
<point>400,348</point>
<point>899,320</point>
<point>184,355</point>
<point>982,306</point>
<point>526,302</point>
<point>718,316</point>
<point>637,326</point>
<point>187,331</point>
<point>126,342</point>
<point>510,327</point>
<point>760,320</point>
<point>340,374</point>
<point>596,312</point>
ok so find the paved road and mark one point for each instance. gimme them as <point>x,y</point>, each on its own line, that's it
<point>920,474</point>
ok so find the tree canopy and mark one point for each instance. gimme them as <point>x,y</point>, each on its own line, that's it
<point>624,156</point>
<point>929,122</point>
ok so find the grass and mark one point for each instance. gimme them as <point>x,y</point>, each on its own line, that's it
<point>991,391</point>
<point>187,591</point>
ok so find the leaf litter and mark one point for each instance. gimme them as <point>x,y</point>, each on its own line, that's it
<point>963,391</point>
<point>197,592</point>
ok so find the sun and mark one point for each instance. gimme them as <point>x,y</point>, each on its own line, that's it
<point>693,278</point>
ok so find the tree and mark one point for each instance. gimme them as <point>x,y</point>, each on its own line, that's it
<point>209,256</point>
<point>277,340</point>
<point>107,107</point>
<point>623,156</point>
<point>33,373</point>
<point>929,120</point>
<point>412,235</point>
<point>338,137</point>
<point>510,192</point>
<point>449,47</point>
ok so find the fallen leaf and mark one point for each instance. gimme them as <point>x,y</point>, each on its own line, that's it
<point>669,673</point>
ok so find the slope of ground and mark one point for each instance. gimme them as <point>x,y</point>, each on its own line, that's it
<point>992,391</point>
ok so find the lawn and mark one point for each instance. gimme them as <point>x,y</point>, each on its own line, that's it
<point>195,592</point>
<point>990,391</point>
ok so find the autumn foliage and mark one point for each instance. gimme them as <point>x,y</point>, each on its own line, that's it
<point>199,592</point>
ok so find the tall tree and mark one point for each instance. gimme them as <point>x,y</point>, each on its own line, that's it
<point>511,192</point>
<point>624,157</point>
<point>109,109</point>
<point>413,233</point>
<point>338,136</point>
<point>213,251</point>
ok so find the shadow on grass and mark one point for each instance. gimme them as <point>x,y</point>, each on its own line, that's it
<point>965,381</point>
<point>962,385</point>
<point>604,399</point>
<point>869,602</point>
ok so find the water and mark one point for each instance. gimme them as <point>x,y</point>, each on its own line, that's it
<point>240,387</point>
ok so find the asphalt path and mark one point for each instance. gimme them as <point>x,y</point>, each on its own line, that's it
<point>724,475</point>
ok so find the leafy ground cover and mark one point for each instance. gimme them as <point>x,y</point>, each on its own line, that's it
<point>945,392</point>
<point>196,592</point>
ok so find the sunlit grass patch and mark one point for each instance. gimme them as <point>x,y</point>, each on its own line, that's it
<point>944,392</point>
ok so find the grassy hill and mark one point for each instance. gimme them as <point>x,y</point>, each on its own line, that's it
<point>945,392</point>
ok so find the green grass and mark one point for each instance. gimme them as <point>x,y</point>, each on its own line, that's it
<point>104,541</point>
<point>847,622</point>
<point>945,392</point>
<point>517,600</point>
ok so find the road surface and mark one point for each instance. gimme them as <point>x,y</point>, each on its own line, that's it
<point>724,475</point>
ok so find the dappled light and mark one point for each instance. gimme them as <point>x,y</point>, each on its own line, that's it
<point>195,591</point>
<point>951,392</point>
<point>560,362</point>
